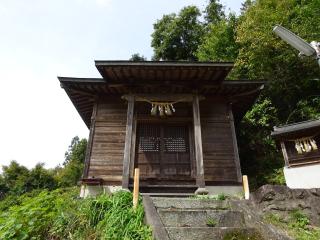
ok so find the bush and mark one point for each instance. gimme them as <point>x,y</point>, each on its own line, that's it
<point>61,214</point>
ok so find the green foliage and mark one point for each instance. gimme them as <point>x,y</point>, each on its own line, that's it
<point>211,222</point>
<point>263,55</point>
<point>76,151</point>
<point>32,217</point>
<point>297,225</point>
<point>71,173</point>
<point>290,88</point>
<point>176,37</point>
<point>214,13</point>
<point>241,235</point>
<point>137,58</point>
<point>260,159</point>
<point>298,219</point>
<point>219,43</point>
<point>59,214</point>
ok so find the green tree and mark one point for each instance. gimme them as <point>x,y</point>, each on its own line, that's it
<point>214,12</point>
<point>177,37</point>
<point>41,178</point>
<point>71,173</point>
<point>263,55</point>
<point>219,43</point>
<point>16,178</point>
<point>290,89</point>
<point>137,58</point>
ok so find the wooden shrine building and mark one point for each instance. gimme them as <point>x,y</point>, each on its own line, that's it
<point>300,145</point>
<point>175,121</point>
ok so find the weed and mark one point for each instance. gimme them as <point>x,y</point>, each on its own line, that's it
<point>297,226</point>
<point>211,222</point>
<point>220,197</point>
<point>61,215</point>
<point>242,235</point>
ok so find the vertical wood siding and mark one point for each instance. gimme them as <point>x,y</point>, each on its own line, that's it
<point>218,150</point>
<point>108,140</point>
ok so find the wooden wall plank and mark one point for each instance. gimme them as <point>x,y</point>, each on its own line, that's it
<point>106,159</point>
<point>218,147</point>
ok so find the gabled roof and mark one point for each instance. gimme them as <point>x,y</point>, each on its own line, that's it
<point>297,129</point>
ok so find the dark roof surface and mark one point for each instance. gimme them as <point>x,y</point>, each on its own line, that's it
<point>163,71</point>
<point>296,129</point>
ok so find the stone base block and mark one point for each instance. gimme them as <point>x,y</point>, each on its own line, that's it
<point>92,191</point>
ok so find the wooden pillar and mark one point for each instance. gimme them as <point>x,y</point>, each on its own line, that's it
<point>128,143</point>
<point>235,145</point>
<point>90,141</point>
<point>285,154</point>
<point>198,145</point>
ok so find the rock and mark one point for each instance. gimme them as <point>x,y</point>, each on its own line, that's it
<point>282,200</point>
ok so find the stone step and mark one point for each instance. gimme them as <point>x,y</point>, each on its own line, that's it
<point>168,195</point>
<point>190,203</point>
<point>199,233</point>
<point>201,218</point>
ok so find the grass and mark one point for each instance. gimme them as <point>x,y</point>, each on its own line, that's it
<point>211,222</point>
<point>60,214</point>
<point>297,225</point>
<point>241,235</point>
<point>220,197</point>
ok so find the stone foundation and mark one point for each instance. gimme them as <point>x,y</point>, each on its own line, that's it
<point>92,191</point>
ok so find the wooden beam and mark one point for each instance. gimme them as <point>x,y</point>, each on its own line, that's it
<point>285,154</point>
<point>198,142</point>
<point>128,143</point>
<point>90,141</point>
<point>163,97</point>
<point>235,145</point>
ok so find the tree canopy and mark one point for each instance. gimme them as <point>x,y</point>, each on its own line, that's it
<point>176,37</point>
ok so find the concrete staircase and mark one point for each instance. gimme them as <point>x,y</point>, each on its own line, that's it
<point>190,218</point>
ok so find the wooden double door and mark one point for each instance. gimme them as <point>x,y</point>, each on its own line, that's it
<point>164,152</point>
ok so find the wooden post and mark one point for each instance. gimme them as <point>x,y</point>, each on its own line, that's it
<point>198,146</point>
<point>136,188</point>
<point>133,146</point>
<point>235,145</point>
<point>128,143</point>
<point>246,187</point>
<point>285,154</point>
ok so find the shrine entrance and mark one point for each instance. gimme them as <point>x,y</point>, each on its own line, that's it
<point>164,153</point>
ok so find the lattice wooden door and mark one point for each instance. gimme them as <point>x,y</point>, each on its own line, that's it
<point>163,151</point>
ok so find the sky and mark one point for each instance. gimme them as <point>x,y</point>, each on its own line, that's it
<point>43,39</point>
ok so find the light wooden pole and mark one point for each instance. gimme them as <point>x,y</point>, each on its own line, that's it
<point>246,187</point>
<point>136,188</point>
